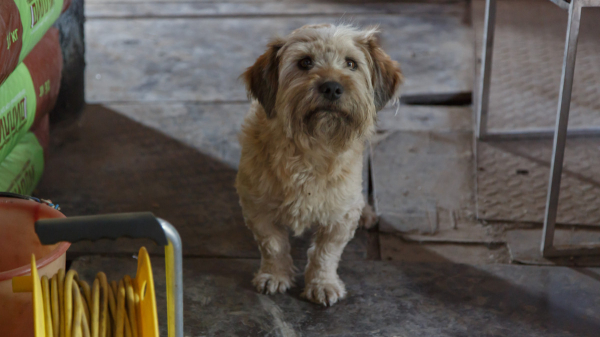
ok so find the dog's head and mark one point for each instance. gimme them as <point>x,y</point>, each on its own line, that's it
<point>324,82</point>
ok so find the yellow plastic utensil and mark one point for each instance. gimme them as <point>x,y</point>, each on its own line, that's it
<point>144,287</point>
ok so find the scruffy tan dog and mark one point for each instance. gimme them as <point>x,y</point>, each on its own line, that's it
<point>317,92</point>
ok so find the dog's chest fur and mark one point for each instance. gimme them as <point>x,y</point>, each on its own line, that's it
<point>297,187</point>
<point>310,197</point>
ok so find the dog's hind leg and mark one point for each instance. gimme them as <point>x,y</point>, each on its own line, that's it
<point>276,271</point>
<point>323,285</point>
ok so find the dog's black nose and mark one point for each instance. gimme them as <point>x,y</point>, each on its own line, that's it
<point>331,90</point>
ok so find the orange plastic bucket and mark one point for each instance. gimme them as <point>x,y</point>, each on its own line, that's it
<point>18,241</point>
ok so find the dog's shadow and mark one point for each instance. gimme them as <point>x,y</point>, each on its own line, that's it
<point>108,163</point>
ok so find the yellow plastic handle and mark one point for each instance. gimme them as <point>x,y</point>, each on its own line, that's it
<point>145,288</point>
<point>169,262</point>
<point>31,283</point>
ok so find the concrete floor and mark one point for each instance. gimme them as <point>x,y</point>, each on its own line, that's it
<point>159,134</point>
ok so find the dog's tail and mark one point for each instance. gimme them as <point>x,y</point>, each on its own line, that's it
<point>368,218</point>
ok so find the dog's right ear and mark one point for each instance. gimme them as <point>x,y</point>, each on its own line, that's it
<point>262,79</point>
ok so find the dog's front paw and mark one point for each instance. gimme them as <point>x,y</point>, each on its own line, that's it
<point>270,284</point>
<point>325,291</point>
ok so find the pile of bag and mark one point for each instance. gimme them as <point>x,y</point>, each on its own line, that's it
<point>30,73</point>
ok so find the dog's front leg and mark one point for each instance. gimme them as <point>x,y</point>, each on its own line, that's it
<point>276,266</point>
<point>323,285</point>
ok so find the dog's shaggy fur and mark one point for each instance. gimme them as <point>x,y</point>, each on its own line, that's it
<point>302,152</point>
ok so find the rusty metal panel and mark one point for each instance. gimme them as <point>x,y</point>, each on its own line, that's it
<point>512,176</point>
<point>527,59</point>
<point>512,181</point>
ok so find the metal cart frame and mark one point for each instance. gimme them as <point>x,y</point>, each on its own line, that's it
<point>559,132</point>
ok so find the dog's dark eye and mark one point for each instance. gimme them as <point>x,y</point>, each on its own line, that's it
<point>306,63</point>
<point>351,64</point>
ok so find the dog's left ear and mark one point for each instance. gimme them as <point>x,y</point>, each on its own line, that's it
<point>262,79</point>
<point>386,75</point>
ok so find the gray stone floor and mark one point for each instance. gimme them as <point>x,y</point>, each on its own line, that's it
<point>159,134</point>
<point>385,299</point>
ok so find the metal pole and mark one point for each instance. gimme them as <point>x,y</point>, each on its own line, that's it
<point>174,278</point>
<point>483,95</point>
<point>562,120</point>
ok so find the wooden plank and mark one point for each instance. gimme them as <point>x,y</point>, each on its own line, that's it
<point>94,10</point>
<point>424,184</point>
<point>424,118</point>
<point>201,59</point>
<point>212,129</point>
<point>242,2</point>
